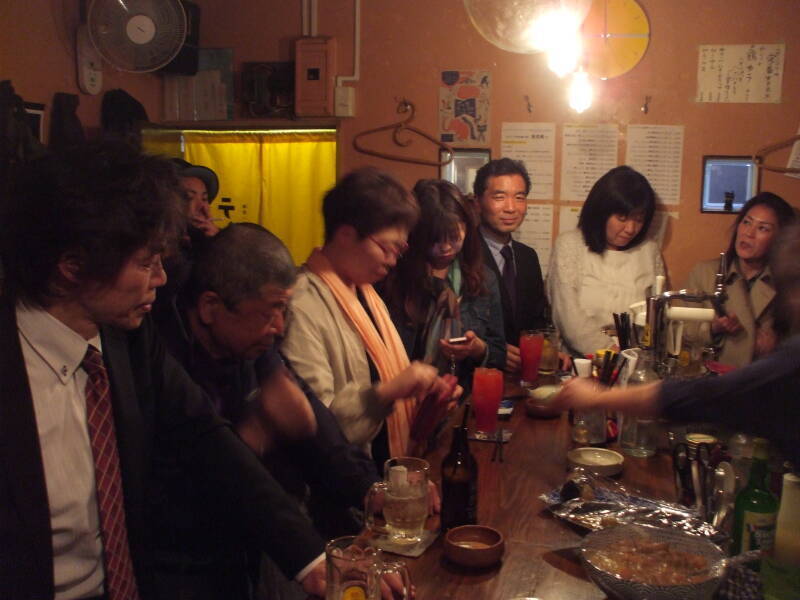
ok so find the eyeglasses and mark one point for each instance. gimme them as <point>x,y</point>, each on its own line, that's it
<point>395,248</point>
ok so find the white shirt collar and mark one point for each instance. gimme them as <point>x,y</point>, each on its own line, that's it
<point>59,346</point>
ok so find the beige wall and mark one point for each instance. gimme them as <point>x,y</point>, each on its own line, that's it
<point>37,53</point>
<point>406,44</point>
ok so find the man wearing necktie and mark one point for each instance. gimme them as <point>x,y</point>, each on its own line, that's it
<point>501,191</point>
<point>91,400</point>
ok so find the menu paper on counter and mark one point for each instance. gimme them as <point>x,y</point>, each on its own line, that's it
<point>587,153</point>
<point>535,145</point>
<point>536,231</point>
<point>740,73</point>
<point>656,151</point>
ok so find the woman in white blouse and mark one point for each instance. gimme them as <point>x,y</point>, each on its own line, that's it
<point>607,263</point>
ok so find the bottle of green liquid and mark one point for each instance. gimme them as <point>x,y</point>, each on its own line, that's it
<point>756,508</point>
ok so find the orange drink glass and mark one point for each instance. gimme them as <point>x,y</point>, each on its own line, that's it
<point>530,352</point>
<point>487,392</point>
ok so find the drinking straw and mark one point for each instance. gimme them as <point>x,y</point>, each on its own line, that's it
<point>618,371</point>
<point>604,369</point>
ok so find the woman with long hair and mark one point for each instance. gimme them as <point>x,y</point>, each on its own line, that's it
<point>746,331</point>
<point>441,290</point>
<point>607,263</point>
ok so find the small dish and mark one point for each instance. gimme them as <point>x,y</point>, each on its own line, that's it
<point>601,461</point>
<point>537,404</point>
<point>475,546</point>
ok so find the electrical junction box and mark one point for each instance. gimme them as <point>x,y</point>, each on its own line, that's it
<point>345,104</point>
<point>315,77</point>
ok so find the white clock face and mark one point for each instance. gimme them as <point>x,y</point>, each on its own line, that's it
<point>140,29</point>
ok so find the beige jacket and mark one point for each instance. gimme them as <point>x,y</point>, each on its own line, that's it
<point>325,349</point>
<point>754,308</point>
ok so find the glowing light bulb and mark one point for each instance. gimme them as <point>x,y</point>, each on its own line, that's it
<point>580,92</point>
<point>564,57</point>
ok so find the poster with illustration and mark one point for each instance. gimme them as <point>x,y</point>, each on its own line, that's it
<point>464,107</point>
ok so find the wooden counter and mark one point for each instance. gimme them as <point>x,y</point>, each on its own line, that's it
<point>538,561</point>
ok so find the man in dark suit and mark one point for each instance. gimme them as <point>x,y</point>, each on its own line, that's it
<point>222,329</point>
<point>91,400</point>
<point>501,191</point>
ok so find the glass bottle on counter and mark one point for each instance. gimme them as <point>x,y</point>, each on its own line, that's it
<point>780,571</point>
<point>756,508</point>
<point>459,483</point>
<point>637,436</point>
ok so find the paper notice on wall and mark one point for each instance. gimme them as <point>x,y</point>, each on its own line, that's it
<point>656,151</point>
<point>568,218</point>
<point>794,158</point>
<point>587,153</point>
<point>740,73</point>
<point>658,228</point>
<point>537,232</point>
<point>535,145</point>
<point>464,107</point>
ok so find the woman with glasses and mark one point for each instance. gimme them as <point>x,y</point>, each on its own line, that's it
<point>340,337</point>
<point>441,290</point>
<point>745,332</point>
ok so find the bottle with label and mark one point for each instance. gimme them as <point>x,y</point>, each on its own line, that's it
<point>756,509</point>
<point>780,572</point>
<point>459,483</point>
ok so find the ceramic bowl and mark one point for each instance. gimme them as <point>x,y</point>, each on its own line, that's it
<point>475,546</point>
<point>600,461</point>
<point>617,587</point>
<point>537,404</point>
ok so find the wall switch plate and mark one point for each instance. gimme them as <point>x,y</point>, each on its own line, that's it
<point>90,69</point>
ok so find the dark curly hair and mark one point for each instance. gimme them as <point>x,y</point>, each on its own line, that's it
<point>99,202</point>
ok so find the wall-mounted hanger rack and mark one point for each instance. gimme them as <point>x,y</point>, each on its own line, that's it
<point>398,130</point>
<point>758,157</point>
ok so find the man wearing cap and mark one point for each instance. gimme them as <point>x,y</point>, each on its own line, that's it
<point>200,186</point>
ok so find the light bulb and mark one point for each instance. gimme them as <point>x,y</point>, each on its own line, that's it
<point>563,57</point>
<point>580,92</point>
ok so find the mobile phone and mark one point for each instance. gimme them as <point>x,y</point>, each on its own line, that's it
<point>457,340</point>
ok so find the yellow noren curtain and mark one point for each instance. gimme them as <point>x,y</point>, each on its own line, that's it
<point>274,179</point>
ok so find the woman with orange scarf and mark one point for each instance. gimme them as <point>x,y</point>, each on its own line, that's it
<point>339,336</point>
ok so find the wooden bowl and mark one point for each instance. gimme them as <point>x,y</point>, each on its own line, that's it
<point>475,546</point>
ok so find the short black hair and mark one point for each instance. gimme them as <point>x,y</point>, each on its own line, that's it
<point>238,261</point>
<point>621,191</point>
<point>785,213</point>
<point>497,167</point>
<point>100,201</point>
<point>369,200</point>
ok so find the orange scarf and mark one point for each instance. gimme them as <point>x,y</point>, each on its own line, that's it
<point>385,348</point>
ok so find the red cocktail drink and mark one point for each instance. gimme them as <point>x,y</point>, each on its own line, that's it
<point>530,352</point>
<point>487,392</point>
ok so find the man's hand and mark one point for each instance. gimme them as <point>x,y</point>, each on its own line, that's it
<point>513,361</point>
<point>314,582</point>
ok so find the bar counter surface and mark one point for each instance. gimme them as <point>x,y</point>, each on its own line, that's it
<point>539,561</point>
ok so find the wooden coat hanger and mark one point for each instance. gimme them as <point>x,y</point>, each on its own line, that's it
<point>758,157</point>
<point>399,129</point>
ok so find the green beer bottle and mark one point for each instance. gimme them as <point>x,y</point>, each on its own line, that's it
<point>756,508</point>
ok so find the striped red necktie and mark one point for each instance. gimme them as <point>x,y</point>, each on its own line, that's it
<point>120,580</point>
